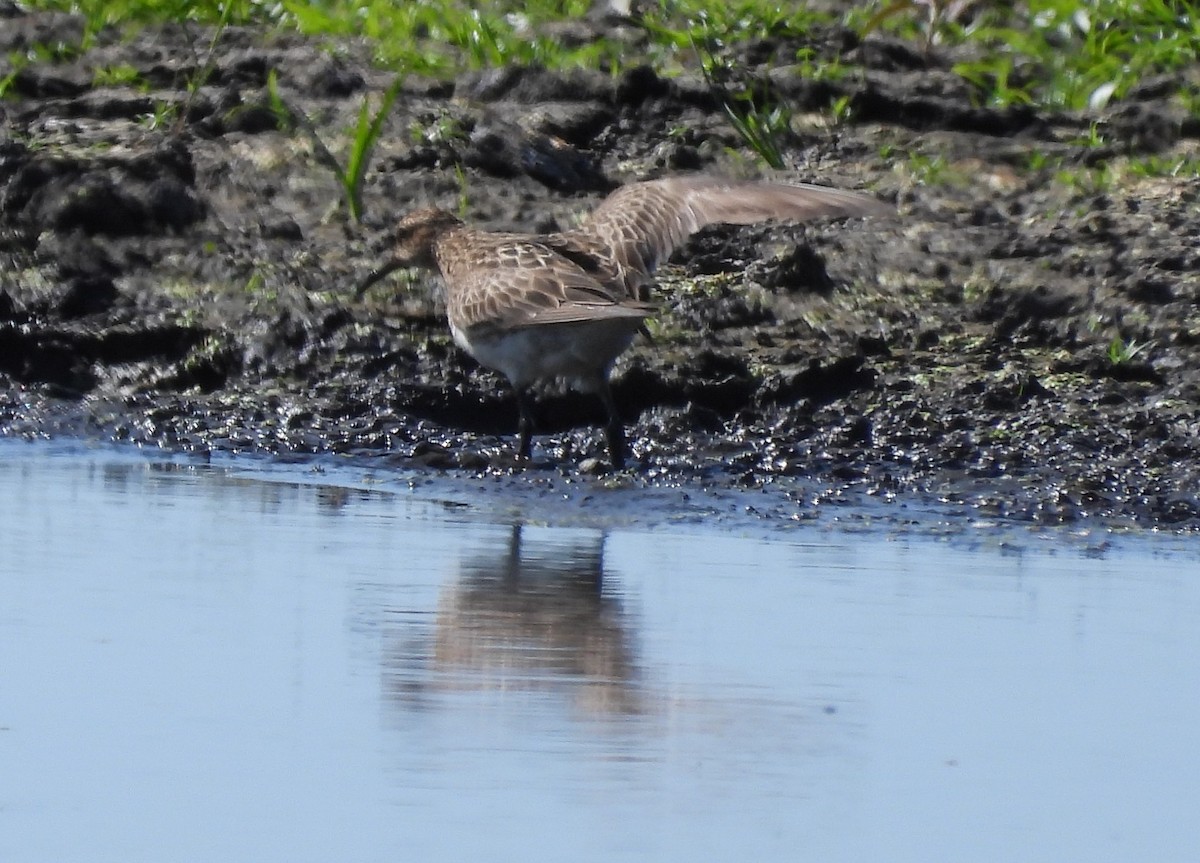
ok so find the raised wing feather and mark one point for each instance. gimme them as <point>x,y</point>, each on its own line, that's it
<point>643,223</point>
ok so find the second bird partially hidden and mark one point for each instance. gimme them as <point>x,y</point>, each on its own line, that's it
<point>566,305</point>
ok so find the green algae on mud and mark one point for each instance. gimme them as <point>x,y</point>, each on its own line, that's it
<point>188,284</point>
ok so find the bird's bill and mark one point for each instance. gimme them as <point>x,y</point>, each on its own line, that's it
<point>377,275</point>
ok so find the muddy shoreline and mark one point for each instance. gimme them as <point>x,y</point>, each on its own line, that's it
<point>175,272</point>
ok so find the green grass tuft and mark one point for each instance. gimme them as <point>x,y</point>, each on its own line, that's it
<point>367,130</point>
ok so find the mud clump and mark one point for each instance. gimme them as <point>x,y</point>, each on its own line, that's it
<point>175,270</point>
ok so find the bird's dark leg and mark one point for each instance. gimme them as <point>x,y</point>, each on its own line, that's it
<point>614,431</point>
<point>524,423</point>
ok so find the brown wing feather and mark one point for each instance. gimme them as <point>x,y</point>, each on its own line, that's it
<point>515,281</point>
<point>643,223</point>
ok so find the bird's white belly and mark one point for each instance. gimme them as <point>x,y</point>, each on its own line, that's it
<point>580,353</point>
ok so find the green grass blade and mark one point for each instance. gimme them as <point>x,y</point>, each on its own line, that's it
<point>366,136</point>
<point>301,120</point>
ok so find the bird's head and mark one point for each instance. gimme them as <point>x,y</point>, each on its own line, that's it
<point>413,243</point>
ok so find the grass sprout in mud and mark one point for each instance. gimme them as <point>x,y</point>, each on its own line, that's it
<point>763,122</point>
<point>367,130</point>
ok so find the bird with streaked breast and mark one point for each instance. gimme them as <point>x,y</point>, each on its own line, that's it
<point>566,305</point>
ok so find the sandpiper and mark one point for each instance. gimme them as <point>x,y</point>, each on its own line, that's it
<point>566,305</point>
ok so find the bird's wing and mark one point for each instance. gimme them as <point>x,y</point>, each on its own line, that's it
<point>511,282</point>
<point>643,223</point>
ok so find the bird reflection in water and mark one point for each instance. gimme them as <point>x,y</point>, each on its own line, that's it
<point>527,617</point>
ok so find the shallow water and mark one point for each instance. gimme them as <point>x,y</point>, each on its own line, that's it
<point>240,662</point>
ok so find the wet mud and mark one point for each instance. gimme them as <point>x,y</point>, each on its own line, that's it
<point>1023,337</point>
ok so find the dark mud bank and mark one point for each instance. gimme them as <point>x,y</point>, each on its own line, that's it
<point>175,272</point>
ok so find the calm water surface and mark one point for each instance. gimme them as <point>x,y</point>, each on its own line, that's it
<point>201,664</point>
